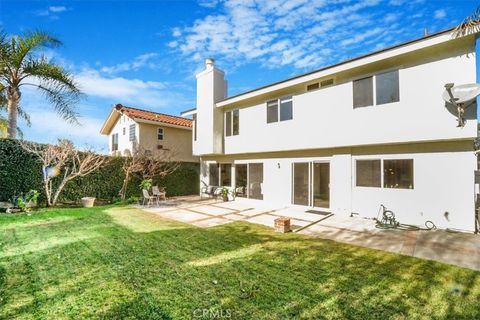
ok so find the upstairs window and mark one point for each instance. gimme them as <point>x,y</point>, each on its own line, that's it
<point>386,88</point>
<point>232,123</point>
<point>160,134</point>
<point>272,111</point>
<point>363,92</point>
<point>124,130</point>
<point>131,133</point>
<point>115,142</point>
<point>280,109</point>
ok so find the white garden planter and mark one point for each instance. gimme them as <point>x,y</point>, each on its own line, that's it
<point>87,202</point>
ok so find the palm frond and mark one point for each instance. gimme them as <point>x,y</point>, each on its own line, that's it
<point>23,46</point>
<point>63,101</point>
<point>469,25</point>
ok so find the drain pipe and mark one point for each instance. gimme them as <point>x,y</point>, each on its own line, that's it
<point>477,67</point>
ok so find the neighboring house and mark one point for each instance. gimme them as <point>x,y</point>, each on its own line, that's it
<point>132,129</point>
<point>348,137</point>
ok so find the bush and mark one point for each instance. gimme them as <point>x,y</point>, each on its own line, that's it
<point>21,172</point>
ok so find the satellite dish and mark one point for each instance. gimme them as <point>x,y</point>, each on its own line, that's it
<point>461,97</point>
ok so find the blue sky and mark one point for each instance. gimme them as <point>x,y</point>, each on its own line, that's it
<point>146,53</point>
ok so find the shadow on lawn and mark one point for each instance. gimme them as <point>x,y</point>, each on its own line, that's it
<point>251,271</point>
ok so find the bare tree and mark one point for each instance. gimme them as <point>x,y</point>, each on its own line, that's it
<point>61,163</point>
<point>148,165</point>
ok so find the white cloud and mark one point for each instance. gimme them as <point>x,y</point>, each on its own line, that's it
<point>52,11</point>
<point>440,14</point>
<point>299,33</point>
<point>57,9</point>
<point>208,3</point>
<point>162,96</point>
<point>144,60</point>
<point>48,127</point>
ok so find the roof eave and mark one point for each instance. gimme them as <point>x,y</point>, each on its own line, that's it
<point>398,49</point>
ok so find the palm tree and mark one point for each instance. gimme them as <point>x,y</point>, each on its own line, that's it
<point>21,64</point>
<point>469,25</point>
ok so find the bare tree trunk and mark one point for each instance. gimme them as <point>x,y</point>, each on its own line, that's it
<point>13,97</point>
<point>123,191</point>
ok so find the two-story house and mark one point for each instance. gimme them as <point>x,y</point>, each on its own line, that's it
<point>351,136</point>
<point>130,129</point>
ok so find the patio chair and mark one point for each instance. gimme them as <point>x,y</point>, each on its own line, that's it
<point>147,197</point>
<point>159,193</point>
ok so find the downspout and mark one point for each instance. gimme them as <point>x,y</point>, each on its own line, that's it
<point>477,72</point>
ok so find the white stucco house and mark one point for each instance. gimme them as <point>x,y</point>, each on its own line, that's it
<point>348,137</point>
<point>130,129</point>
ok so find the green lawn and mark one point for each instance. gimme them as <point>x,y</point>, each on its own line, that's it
<point>122,263</point>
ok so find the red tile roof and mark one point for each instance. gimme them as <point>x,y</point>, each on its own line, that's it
<point>153,116</point>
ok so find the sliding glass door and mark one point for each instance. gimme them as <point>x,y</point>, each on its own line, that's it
<point>255,180</point>
<point>300,183</point>
<point>311,184</point>
<point>321,184</point>
<point>241,180</point>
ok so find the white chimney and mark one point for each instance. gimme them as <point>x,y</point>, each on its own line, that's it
<point>211,88</point>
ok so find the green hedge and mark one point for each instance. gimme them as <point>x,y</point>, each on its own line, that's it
<point>20,172</point>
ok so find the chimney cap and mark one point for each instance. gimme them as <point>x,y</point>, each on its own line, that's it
<point>209,62</point>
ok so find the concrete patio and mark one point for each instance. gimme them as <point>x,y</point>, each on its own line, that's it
<point>459,249</point>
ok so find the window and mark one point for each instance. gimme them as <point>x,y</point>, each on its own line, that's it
<point>124,130</point>
<point>398,174</point>
<point>387,87</point>
<point>194,117</point>
<point>286,109</point>
<point>236,122</point>
<point>228,123</point>
<point>232,123</point>
<point>363,92</point>
<point>160,133</point>
<point>226,174</point>
<point>284,112</point>
<point>272,111</point>
<point>131,133</point>
<point>368,173</point>
<point>387,90</point>
<point>115,142</point>
<point>213,174</point>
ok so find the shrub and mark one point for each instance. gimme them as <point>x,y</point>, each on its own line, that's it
<point>21,172</point>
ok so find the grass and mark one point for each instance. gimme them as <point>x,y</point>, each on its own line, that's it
<point>121,263</point>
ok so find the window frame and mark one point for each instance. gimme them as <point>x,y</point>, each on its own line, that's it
<point>160,134</point>
<point>132,128</point>
<point>382,172</point>
<point>374,75</point>
<point>229,117</point>
<point>115,139</point>
<point>278,101</point>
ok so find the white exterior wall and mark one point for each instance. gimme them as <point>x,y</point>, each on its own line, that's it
<point>326,118</point>
<point>443,191</point>
<point>418,127</point>
<point>123,140</point>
